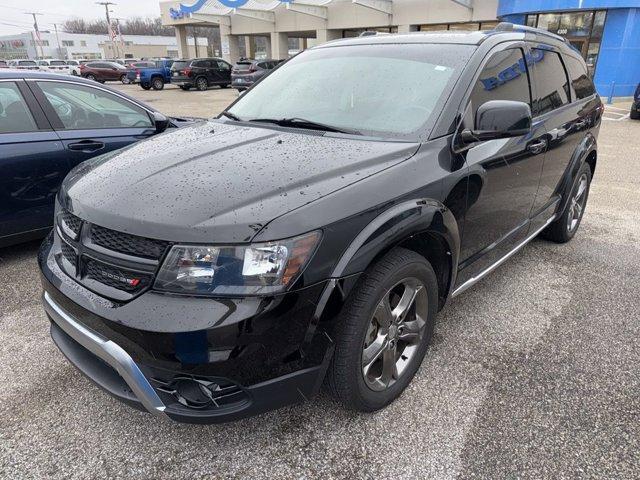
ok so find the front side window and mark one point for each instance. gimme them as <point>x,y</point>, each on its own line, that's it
<point>80,107</point>
<point>551,81</point>
<point>387,90</point>
<point>15,116</point>
<point>505,76</point>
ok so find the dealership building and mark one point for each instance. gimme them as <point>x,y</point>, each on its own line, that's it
<point>606,32</point>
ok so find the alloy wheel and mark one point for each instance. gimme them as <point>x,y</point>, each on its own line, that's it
<point>577,204</point>
<point>394,333</point>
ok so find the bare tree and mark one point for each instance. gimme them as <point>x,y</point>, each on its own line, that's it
<point>131,26</point>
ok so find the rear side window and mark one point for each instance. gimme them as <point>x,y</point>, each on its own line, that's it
<point>15,116</point>
<point>551,81</point>
<point>581,84</point>
<point>504,77</point>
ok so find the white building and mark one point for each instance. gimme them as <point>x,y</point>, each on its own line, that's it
<point>72,45</point>
<point>317,21</point>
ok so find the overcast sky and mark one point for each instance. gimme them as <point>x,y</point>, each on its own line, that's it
<point>14,20</point>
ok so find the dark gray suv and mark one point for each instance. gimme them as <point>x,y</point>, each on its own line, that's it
<point>247,72</point>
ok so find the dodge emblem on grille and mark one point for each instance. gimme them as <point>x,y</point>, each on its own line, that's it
<point>134,282</point>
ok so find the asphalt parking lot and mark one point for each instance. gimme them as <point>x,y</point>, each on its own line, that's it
<point>533,373</point>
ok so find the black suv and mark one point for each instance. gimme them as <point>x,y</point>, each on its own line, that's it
<point>313,231</point>
<point>201,73</point>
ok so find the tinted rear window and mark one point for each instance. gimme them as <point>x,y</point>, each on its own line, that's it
<point>551,80</point>
<point>27,63</point>
<point>580,82</point>
<point>180,64</point>
<point>57,62</point>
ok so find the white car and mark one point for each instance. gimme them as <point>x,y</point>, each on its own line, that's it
<point>74,68</point>
<point>54,66</point>
<point>24,64</point>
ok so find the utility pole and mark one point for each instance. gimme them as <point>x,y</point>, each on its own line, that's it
<point>109,27</point>
<point>37,30</point>
<point>55,26</point>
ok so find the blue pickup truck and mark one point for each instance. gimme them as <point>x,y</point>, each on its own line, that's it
<point>152,77</point>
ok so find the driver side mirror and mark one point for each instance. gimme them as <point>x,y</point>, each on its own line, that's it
<point>161,122</point>
<point>499,119</point>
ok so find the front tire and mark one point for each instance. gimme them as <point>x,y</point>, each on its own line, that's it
<point>565,227</point>
<point>124,79</point>
<point>634,114</point>
<point>383,331</point>
<point>145,86</point>
<point>91,77</point>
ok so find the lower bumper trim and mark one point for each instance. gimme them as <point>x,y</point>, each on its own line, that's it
<point>110,353</point>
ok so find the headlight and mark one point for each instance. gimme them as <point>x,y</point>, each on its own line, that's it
<point>260,268</point>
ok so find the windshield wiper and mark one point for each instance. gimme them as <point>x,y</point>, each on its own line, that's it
<point>304,123</point>
<point>231,116</point>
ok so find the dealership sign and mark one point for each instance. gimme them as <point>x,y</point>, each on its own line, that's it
<point>184,10</point>
<point>11,44</point>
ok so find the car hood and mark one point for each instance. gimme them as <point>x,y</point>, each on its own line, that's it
<point>219,182</point>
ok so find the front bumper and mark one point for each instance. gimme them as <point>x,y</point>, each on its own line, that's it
<point>255,356</point>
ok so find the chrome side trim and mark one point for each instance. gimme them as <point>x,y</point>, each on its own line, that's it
<point>109,352</point>
<point>473,280</point>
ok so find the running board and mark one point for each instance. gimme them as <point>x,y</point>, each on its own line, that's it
<point>473,280</point>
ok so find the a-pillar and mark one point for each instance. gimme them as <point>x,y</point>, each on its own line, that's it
<point>279,46</point>
<point>326,35</point>
<point>181,39</point>
<point>229,44</point>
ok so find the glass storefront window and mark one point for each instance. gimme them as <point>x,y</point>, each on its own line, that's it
<point>435,27</point>
<point>598,24</point>
<point>488,25</point>
<point>464,26</point>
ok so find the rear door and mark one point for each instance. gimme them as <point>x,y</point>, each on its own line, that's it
<point>223,71</point>
<point>91,120</point>
<point>32,162</point>
<point>568,111</point>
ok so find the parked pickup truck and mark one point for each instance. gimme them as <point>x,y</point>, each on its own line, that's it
<point>152,77</point>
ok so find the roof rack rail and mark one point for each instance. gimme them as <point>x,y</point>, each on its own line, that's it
<point>372,33</point>
<point>510,27</point>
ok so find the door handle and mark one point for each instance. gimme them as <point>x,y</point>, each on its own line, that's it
<point>86,146</point>
<point>580,124</point>
<point>537,147</point>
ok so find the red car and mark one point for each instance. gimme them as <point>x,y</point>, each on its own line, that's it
<point>103,71</point>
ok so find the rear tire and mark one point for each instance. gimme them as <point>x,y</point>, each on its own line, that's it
<point>91,77</point>
<point>634,114</point>
<point>565,227</point>
<point>157,83</point>
<point>359,376</point>
<point>202,84</point>
<point>124,79</point>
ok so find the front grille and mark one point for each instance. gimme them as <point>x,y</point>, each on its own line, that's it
<point>93,258</point>
<point>127,243</point>
<point>69,254</point>
<point>72,223</point>
<point>121,279</point>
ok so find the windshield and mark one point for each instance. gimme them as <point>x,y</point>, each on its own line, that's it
<point>388,90</point>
